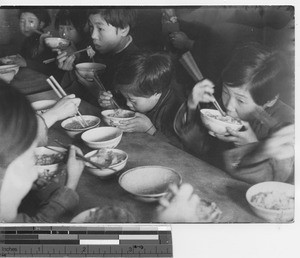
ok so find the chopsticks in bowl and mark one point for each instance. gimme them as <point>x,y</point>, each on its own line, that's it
<point>61,93</point>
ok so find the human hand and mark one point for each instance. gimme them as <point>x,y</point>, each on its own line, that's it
<point>202,92</point>
<point>181,41</point>
<point>239,138</point>
<point>74,167</point>
<point>20,61</point>
<point>140,123</point>
<point>105,100</point>
<point>65,62</point>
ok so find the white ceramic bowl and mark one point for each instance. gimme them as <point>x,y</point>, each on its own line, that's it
<point>149,183</point>
<point>121,160</point>
<point>56,43</point>
<point>42,106</point>
<point>87,70</point>
<point>102,137</point>
<point>113,117</point>
<point>272,201</point>
<point>211,119</point>
<point>49,170</point>
<point>8,72</point>
<point>73,127</point>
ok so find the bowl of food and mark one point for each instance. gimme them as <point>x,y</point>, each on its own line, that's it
<point>102,137</point>
<point>113,117</point>
<point>149,183</point>
<point>217,124</point>
<point>49,161</point>
<point>8,72</point>
<point>73,125</point>
<point>272,201</point>
<point>112,161</point>
<point>56,43</point>
<point>42,106</point>
<point>87,70</point>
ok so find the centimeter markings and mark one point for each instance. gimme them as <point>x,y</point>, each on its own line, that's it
<point>112,241</point>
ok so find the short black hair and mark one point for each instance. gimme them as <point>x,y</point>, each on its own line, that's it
<point>117,17</point>
<point>75,17</point>
<point>263,70</point>
<point>143,74</point>
<point>42,14</point>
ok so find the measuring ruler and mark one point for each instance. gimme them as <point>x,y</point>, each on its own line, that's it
<point>90,241</point>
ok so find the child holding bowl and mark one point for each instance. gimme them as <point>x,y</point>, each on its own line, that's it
<point>252,82</point>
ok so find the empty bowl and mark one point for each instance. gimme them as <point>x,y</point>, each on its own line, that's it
<point>149,183</point>
<point>48,162</point>
<point>113,117</point>
<point>87,70</point>
<point>272,201</point>
<point>56,43</point>
<point>113,160</point>
<point>217,124</point>
<point>42,106</point>
<point>8,72</point>
<point>73,127</point>
<point>102,137</point>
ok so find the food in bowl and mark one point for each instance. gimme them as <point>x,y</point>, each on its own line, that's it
<point>56,43</point>
<point>8,59</point>
<point>87,70</point>
<point>113,117</point>
<point>75,125</point>
<point>49,159</point>
<point>217,124</point>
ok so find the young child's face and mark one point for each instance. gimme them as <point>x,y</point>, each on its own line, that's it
<point>106,37</point>
<point>69,32</point>
<point>238,102</point>
<point>141,104</point>
<point>28,23</point>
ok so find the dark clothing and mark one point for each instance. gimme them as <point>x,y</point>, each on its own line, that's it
<point>197,141</point>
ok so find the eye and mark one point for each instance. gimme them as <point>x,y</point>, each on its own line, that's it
<point>240,101</point>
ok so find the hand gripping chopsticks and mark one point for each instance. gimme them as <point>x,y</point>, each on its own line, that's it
<point>61,93</point>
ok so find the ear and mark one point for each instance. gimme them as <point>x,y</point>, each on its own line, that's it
<point>124,32</point>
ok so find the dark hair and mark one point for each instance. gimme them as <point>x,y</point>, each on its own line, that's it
<point>119,18</point>
<point>18,124</point>
<point>41,14</point>
<point>75,17</point>
<point>144,74</point>
<point>264,71</point>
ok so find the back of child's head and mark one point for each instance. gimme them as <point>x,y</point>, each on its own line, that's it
<point>71,17</point>
<point>144,74</point>
<point>117,17</point>
<point>42,14</point>
<point>263,71</point>
<point>18,124</point>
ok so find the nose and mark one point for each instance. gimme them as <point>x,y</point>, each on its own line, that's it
<point>27,26</point>
<point>129,104</point>
<point>230,105</point>
<point>94,34</point>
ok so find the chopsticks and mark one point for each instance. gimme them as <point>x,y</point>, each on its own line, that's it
<point>78,155</point>
<point>101,86</point>
<point>47,61</point>
<point>61,93</point>
<point>191,67</point>
<point>37,32</point>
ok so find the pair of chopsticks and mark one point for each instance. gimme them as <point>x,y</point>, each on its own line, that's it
<point>77,155</point>
<point>191,67</point>
<point>47,61</point>
<point>61,93</point>
<point>101,86</point>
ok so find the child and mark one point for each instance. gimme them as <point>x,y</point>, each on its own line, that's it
<point>251,86</point>
<point>145,80</point>
<point>17,170</point>
<point>33,51</point>
<point>110,32</point>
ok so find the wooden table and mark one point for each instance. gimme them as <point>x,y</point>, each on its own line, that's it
<point>209,182</point>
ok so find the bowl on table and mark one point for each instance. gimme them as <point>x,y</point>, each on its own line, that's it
<point>73,127</point>
<point>8,72</point>
<point>112,160</point>
<point>41,106</point>
<point>217,124</point>
<point>48,162</point>
<point>113,117</point>
<point>102,137</point>
<point>272,201</point>
<point>56,43</point>
<point>87,70</point>
<point>149,183</point>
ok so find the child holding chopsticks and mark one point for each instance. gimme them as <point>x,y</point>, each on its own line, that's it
<point>252,82</point>
<point>17,170</point>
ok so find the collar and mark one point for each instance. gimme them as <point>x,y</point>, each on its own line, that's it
<point>126,45</point>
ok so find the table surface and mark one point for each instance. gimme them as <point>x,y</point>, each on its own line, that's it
<point>209,182</point>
